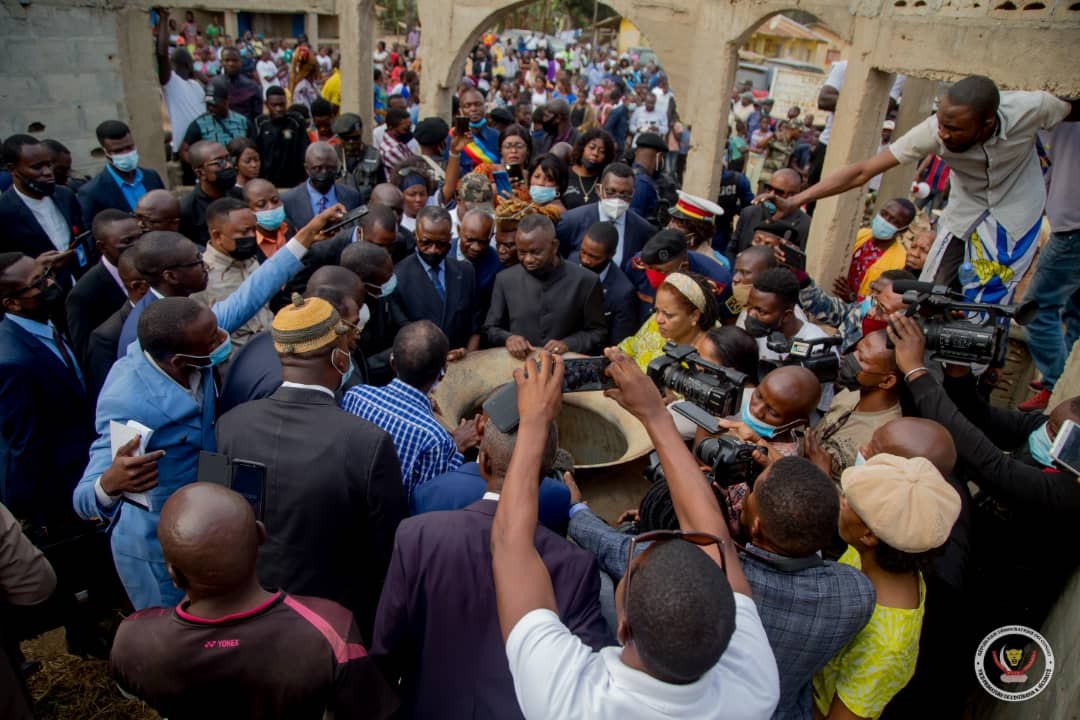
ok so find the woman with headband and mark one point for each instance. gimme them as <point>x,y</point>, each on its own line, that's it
<point>684,311</point>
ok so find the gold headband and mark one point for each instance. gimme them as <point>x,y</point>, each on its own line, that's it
<point>688,288</point>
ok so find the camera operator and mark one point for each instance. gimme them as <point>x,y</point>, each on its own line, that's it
<point>771,309</point>
<point>869,399</point>
<point>1023,495</point>
<point>856,319</point>
<point>810,608</point>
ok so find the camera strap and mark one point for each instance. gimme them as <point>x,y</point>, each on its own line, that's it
<point>783,564</point>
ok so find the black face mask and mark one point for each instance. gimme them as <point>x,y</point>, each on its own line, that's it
<point>552,128</point>
<point>50,302</point>
<point>404,138</point>
<point>246,247</point>
<point>322,181</point>
<point>591,167</point>
<point>756,328</point>
<point>848,375</point>
<point>226,178</point>
<point>432,259</point>
<point>41,187</point>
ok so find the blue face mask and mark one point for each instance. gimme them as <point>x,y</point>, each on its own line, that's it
<point>763,429</point>
<point>542,195</point>
<point>344,375</point>
<point>271,219</point>
<point>126,162</point>
<point>1039,444</point>
<point>386,289</point>
<point>217,356</point>
<point>882,229</point>
<point>478,124</point>
<point>859,459</point>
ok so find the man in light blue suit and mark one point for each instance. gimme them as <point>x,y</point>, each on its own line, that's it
<point>164,381</point>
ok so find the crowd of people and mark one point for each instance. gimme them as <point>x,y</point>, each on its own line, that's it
<point>160,349</point>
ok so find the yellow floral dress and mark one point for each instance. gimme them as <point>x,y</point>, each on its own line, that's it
<point>878,662</point>
<point>646,344</point>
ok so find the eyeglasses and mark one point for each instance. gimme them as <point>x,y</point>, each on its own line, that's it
<point>219,163</point>
<point>193,263</point>
<point>608,195</point>
<point>40,283</point>
<point>354,330</point>
<point>700,539</point>
<point>515,146</point>
<point>777,191</point>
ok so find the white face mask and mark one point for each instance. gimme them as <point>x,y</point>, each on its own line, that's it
<point>365,316</point>
<point>614,208</point>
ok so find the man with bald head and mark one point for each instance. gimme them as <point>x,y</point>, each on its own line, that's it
<point>784,183</point>
<point>280,655</point>
<point>389,195</point>
<point>783,403</point>
<point>333,492</point>
<point>321,189</point>
<point>158,210</point>
<point>215,178</point>
<point>868,396</point>
<point>474,246</point>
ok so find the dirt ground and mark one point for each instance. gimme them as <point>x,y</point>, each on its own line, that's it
<point>69,687</point>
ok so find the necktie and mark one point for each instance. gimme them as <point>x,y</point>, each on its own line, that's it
<point>437,283</point>
<point>59,340</point>
<point>323,202</point>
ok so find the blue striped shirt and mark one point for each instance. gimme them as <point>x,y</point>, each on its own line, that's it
<point>423,446</point>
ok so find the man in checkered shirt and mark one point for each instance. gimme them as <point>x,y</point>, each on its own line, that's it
<point>402,408</point>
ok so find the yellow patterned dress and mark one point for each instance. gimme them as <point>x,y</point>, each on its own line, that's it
<point>646,344</point>
<point>877,663</point>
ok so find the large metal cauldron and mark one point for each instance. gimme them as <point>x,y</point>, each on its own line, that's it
<point>593,428</point>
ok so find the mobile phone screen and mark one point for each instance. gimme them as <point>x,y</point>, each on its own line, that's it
<point>502,182</point>
<point>249,479</point>
<point>461,125</point>
<point>585,374</point>
<point>350,218</point>
<point>1066,449</point>
<point>501,408</point>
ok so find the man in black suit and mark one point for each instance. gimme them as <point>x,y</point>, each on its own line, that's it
<point>616,190</point>
<point>785,183</point>
<point>620,302</point>
<point>320,191</point>
<point>40,218</point>
<point>122,182</point>
<point>100,292</point>
<point>215,175</point>
<point>437,628</point>
<point>100,353</point>
<point>543,301</point>
<point>373,265</point>
<point>333,483</point>
<point>433,286</point>
<point>46,428</point>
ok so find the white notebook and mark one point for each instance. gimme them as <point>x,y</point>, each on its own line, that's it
<point>120,434</point>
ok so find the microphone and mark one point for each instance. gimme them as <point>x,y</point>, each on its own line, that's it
<point>902,286</point>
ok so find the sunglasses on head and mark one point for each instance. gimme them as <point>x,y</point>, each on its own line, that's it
<point>700,539</point>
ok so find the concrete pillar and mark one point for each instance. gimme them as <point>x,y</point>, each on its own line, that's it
<point>140,81</point>
<point>232,24</point>
<point>311,28</point>
<point>707,106</point>
<point>355,22</point>
<point>1068,385</point>
<point>856,134</point>
<point>915,105</point>
<point>437,52</point>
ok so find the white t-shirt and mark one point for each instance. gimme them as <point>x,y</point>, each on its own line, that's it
<point>49,218</point>
<point>557,676</point>
<point>266,69</point>
<point>185,101</point>
<point>645,121</point>
<point>662,100</point>
<point>326,64</point>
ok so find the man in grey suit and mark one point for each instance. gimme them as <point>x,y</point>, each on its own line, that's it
<point>437,628</point>
<point>334,496</point>
<point>320,191</point>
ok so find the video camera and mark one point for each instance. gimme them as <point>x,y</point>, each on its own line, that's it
<point>715,389</point>
<point>956,340</point>
<point>730,461</point>
<point>815,355</point>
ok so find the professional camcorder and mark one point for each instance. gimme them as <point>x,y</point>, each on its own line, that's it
<point>950,338</point>
<point>815,355</point>
<point>713,388</point>
<point>730,461</point>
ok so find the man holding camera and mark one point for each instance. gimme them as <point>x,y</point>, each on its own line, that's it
<point>1024,492</point>
<point>869,399</point>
